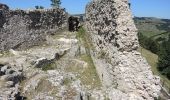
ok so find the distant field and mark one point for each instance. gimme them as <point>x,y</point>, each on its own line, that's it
<point>153,27</point>
<point>152,59</point>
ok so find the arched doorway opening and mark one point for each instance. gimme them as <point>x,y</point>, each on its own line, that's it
<point>73,24</point>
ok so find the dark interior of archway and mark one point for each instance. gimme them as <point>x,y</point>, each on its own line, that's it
<point>73,23</point>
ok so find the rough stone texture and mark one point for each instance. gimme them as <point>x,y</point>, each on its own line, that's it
<point>9,82</point>
<point>22,29</point>
<point>114,38</point>
<point>64,82</point>
<point>25,63</point>
<point>3,7</point>
<point>124,73</point>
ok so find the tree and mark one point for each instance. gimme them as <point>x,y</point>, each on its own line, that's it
<point>55,3</point>
<point>36,7</point>
<point>164,58</point>
<point>148,43</point>
<point>153,46</point>
<point>39,7</point>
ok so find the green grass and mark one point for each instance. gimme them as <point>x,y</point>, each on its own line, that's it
<point>66,81</point>
<point>84,38</point>
<point>80,33</point>
<point>49,66</point>
<point>5,54</point>
<point>151,27</point>
<point>90,72</point>
<point>152,59</point>
<point>88,75</point>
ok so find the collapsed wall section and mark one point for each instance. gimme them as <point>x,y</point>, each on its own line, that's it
<point>22,29</point>
<point>114,38</point>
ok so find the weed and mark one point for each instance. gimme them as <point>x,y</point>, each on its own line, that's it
<point>66,81</point>
<point>49,66</point>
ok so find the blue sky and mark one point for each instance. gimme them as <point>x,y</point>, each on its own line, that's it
<point>141,8</point>
<point>151,8</point>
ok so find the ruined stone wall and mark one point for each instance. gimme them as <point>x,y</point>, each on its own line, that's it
<point>22,29</point>
<point>119,65</point>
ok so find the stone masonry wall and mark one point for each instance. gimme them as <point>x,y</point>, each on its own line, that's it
<point>119,65</point>
<point>22,29</point>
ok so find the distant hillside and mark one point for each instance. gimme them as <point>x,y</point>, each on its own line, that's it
<point>151,27</point>
<point>155,28</point>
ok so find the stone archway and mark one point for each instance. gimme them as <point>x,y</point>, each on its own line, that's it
<point>73,24</point>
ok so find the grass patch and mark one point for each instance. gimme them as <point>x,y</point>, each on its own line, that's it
<point>81,32</point>
<point>89,75</point>
<point>5,54</point>
<point>84,38</point>
<point>49,66</point>
<point>152,59</point>
<point>66,81</point>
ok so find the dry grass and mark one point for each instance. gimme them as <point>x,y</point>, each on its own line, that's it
<point>89,75</point>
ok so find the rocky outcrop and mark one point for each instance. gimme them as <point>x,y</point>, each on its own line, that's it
<point>114,38</point>
<point>9,82</point>
<point>70,76</point>
<point>22,29</point>
<point>3,7</point>
<point>62,67</point>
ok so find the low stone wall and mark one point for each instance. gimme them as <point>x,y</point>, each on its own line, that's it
<point>114,38</point>
<point>22,29</point>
